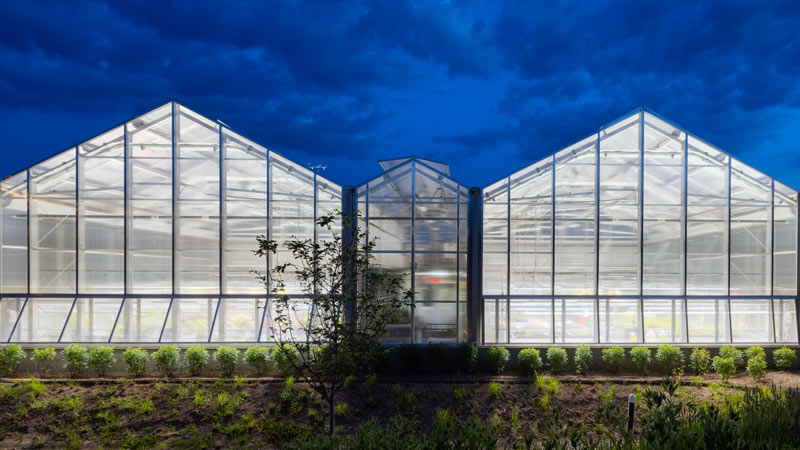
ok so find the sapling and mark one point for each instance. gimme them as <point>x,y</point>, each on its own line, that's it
<point>257,358</point>
<point>583,358</point>
<point>557,359</point>
<point>136,360</point>
<point>725,367</point>
<point>166,359</point>
<point>44,357</point>
<point>784,358</point>
<point>196,358</point>
<point>669,358</point>
<point>498,358</point>
<point>729,351</point>
<point>100,359</point>
<point>757,367</point>
<point>641,357</point>
<point>10,357</point>
<point>469,357</point>
<point>613,357</point>
<point>227,358</point>
<point>529,360</point>
<point>700,360</point>
<point>76,358</point>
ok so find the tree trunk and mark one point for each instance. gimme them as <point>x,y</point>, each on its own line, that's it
<point>331,411</point>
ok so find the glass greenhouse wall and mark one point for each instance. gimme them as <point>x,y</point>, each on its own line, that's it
<point>640,233</point>
<point>146,234</point>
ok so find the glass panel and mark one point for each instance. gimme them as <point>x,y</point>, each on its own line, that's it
<point>785,247</point>
<point>664,321</point>
<point>619,321</point>
<point>435,322</point>
<point>141,320</point>
<point>92,320</point>
<point>707,220</point>
<point>329,200</point>
<point>197,206</point>
<point>101,214</point>
<point>495,239</point>
<point>619,208</point>
<point>189,320</point>
<point>751,231</point>
<point>531,321</point>
<point>52,225</point>
<point>435,276</point>
<point>298,315</point>
<point>575,320</point>
<point>150,203</point>
<point>662,270</point>
<point>785,321</point>
<point>708,321</point>
<point>532,229</point>
<point>751,321</point>
<point>42,320</point>
<point>9,312</point>
<point>14,234</point>
<point>238,320</point>
<point>245,212</point>
<point>575,219</point>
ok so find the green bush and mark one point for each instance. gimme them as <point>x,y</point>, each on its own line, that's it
<point>498,359</point>
<point>76,357</point>
<point>613,357</point>
<point>669,358</point>
<point>101,358</point>
<point>258,359</point>
<point>784,358</point>
<point>724,366</point>
<point>530,361</point>
<point>757,367</point>
<point>410,358</point>
<point>755,351</point>
<point>557,359</point>
<point>437,358</point>
<point>44,359</point>
<point>196,358</point>
<point>166,359</point>
<point>227,358</point>
<point>700,360</point>
<point>283,358</point>
<point>641,357</point>
<point>729,351</point>
<point>469,357</point>
<point>136,360</point>
<point>583,358</point>
<point>10,357</point>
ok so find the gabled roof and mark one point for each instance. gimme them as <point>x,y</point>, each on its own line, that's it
<point>388,164</point>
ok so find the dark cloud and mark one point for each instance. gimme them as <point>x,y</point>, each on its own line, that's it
<point>488,86</point>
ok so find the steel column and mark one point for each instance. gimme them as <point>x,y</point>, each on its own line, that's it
<point>475,266</point>
<point>349,220</point>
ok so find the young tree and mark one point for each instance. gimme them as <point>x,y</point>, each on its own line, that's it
<point>349,301</point>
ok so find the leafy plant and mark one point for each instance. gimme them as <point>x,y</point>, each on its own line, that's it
<point>613,357</point>
<point>498,359</point>
<point>469,357</point>
<point>459,394</point>
<point>76,358</point>
<point>136,360</point>
<point>757,367</point>
<point>227,358</point>
<point>784,358</point>
<point>101,358</point>
<point>10,357</point>
<point>547,384</point>
<point>724,367</point>
<point>166,359</point>
<point>196,358</point>
<point>583,358</point>
<point>729,351</point>
<point>494,389</point>
<point>669,358</point>
<point>342,410</point>
<point>700,360</point>
<point>257,358</point>
<point>43,356</point>
<point>641,357</point>
<point>557,359</point>
<point>283,356</point>
<point>755,351</point>
<point>529,360</point>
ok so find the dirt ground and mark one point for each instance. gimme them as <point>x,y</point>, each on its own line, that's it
<point>262,413</point>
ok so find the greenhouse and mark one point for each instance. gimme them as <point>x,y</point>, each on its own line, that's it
<point>638,234</point>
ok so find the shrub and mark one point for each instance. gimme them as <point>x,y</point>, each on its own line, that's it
<point>283,358</point>
<point>700,360</point>
<point>669,358</point>
<point>341,410</point>
<point>10,357</point>
<point>729,351</point>
<point>494,390</point>
<point>101,358</point>
<point>784,358</point>
<point>136,360</point>
<point>76,357</point>
<point>44,358</point>
<point>613,357</point>
<point>757,367</point>
<point>529,360</point>
<point>196,359</point>
<point>557,359</point>
<point>583,358</point>
<point>498,358</point>
<point>724,366</point>
<point>641,359</point>
<point>437,358</point>
<point>410,358</point>
<point>227,359</point>
<point>755,351</point>
<point>258,359</point>
<point>469,357</point>
<point>166,359</point>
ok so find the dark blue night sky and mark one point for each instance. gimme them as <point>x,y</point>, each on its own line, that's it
<point>486,88</point>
